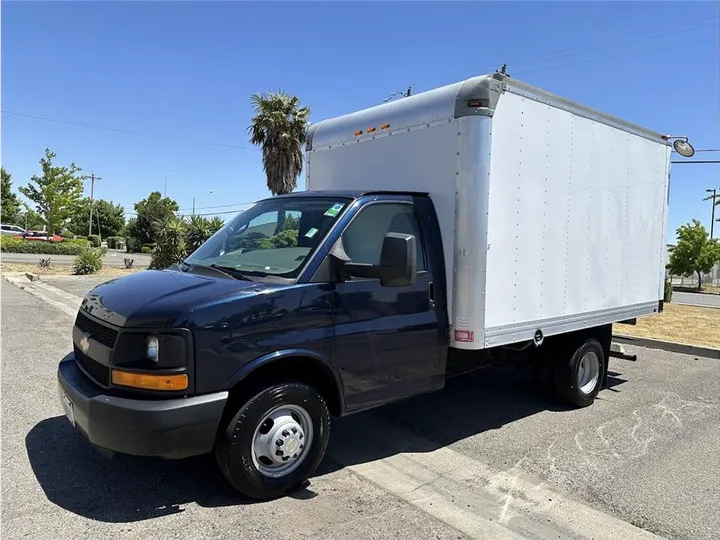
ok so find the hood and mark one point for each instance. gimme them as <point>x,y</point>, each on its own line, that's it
<point>153,298</point>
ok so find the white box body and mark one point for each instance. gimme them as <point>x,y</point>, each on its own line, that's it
<point>552,215</point>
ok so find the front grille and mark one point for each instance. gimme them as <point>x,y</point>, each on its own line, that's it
<point>95,370</point>
<point>101,334</point>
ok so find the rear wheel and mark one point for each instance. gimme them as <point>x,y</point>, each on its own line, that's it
<point>579,378</point>
<point>275,441</point>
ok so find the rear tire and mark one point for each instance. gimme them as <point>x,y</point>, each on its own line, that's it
<point>261,451</point>
<point>579,378</point>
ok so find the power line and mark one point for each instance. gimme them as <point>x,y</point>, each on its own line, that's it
<point>584,49</point>
<point>219,206</point>
<point>124,131</point>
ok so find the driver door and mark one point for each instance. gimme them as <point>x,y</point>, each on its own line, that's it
<point>388,340</point>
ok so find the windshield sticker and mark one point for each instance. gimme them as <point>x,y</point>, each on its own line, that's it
<point>312,232</point>
<point>334,210</point>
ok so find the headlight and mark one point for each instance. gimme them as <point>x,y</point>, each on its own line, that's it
<point>153,348</point>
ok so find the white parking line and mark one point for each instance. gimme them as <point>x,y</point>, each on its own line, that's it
<point>57,298</point>
<point>465,493</point>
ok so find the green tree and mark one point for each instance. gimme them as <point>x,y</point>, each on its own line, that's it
<point>30,219</point>
<point>10,212</point>
<point>111,218</point>
<point>56,192</point>
<point>279,127</point>
<point>695,252</point>
<point>151,212</point>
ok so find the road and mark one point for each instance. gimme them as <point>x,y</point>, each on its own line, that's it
<point>112,258</point>
<point>696,299</point>
<point>485,458</point>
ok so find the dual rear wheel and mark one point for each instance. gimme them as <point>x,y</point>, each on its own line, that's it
<point>571,371</point>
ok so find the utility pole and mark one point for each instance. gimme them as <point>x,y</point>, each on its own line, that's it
<point>713,202</point>
<point>165,189</point>
<point>92,178</point>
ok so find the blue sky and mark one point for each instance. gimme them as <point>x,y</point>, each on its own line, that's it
<point>183,72</point>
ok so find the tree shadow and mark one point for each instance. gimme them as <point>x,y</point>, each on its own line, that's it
<point>77,478</point>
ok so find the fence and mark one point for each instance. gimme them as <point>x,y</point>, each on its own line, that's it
<point>711,279</point>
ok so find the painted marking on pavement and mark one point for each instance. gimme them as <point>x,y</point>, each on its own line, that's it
<point>464,493</point>
<point>44,293</point>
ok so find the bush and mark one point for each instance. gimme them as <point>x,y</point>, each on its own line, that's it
<point>146,250</point>
<point>84,242</point>
<point>8,244</point>
<point>94,240</point>
<point>89,261</point>
<point>67,234</point>
<point>112,241</point>
<point>170,246</point>
<point>132,245</point>
<point>668,291</point>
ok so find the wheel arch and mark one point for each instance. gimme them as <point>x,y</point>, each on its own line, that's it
<point>294,364</point>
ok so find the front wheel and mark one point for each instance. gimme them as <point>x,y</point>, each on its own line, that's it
<point>275,441</point>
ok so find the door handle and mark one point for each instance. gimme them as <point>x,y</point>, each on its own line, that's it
<point>431,294</point>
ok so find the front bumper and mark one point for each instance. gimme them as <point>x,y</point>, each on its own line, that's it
<point>174,428</point>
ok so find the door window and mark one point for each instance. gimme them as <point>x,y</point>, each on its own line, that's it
<point>363,239</point>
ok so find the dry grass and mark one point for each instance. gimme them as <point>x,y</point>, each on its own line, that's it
<point>682,324</point>
<point>62,270</point>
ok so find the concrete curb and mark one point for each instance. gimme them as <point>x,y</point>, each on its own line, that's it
<point>670,346</point>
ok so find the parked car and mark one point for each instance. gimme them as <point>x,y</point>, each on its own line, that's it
<point>11,229</point>
<point>42,236</point>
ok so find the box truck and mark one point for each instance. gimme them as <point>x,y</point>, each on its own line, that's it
<point>481,222</point>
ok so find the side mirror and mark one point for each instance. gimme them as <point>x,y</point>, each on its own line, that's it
<point>397,262</point>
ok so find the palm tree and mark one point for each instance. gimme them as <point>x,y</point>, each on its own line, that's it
<point>279,127</point>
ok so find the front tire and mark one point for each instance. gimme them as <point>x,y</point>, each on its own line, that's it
<point>275,441</point>
<point>579,379</point>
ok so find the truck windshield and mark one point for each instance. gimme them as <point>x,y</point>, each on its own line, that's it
<point>273,237</point>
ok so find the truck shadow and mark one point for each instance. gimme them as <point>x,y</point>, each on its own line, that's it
<point>128,489</point>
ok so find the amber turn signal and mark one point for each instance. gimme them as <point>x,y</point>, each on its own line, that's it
<point>148,381</point>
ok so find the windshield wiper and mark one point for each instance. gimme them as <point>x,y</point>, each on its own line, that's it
<point>229,271</point>
<point>226,271</point>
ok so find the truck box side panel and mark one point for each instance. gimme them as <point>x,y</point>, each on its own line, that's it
<point>423,159</point>
<point>575,223</point>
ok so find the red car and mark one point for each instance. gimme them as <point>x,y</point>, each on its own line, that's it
<point>41,236</point>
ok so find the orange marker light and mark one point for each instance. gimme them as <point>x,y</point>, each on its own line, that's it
<point>371,130</point>
<point>477,103</point>
<point>358,132</point>
<point>149,381</point>
<point>385,126</point>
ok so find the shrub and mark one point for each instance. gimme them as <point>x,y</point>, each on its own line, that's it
<point>89,261</point>
<point>132,245</point>
<point>94,240</point>
<point>67,234</point>
<point>146,250</point>
<point>112,241</point>
<point>668,291</point>
<point>170,246</point>
<point>8,244</point>
<point>84,242</point>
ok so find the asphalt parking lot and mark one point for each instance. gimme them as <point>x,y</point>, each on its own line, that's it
<point>485,458</point>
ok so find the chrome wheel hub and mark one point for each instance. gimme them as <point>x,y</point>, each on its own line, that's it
<point>281,440</point>
<point>588,372</point>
